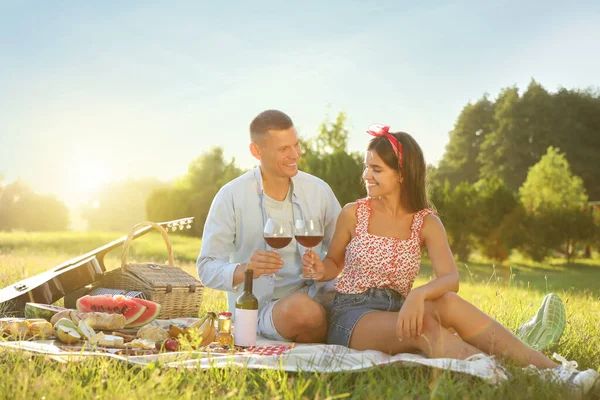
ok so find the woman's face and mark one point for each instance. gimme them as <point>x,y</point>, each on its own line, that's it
<point>379,179</point>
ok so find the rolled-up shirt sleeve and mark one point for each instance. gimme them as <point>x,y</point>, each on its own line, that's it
<point>218,243</point>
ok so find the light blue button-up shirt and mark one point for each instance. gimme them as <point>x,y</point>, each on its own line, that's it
<point>234,230</point>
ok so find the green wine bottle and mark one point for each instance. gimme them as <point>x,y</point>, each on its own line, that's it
<point>246,314</point>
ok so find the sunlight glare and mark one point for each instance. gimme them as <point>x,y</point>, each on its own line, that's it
<point>90,175</point>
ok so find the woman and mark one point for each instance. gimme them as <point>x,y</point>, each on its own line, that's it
<point>377,244</point>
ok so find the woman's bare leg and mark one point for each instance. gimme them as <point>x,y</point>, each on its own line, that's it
<point>377,331</point>
<point>482,331</point>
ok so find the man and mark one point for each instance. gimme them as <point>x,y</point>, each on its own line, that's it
<point>233,234</point>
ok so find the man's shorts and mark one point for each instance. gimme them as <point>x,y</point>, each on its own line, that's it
<point>323,295</point>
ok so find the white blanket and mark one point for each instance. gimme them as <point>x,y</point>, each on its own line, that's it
<point>300,357</point>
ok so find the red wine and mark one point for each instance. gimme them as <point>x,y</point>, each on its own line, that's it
<point>309,241</point>
<point>278,242</point>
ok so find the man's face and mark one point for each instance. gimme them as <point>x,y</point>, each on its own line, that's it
<point>279,152</point>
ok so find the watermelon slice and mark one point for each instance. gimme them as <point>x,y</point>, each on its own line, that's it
<point>152,311</point>
<point>117,304</point>
<point>38,310</point>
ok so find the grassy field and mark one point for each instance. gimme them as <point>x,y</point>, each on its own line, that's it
<point>510,293</point>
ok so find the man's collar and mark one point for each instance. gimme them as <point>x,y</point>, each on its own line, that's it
<point>258,177</point>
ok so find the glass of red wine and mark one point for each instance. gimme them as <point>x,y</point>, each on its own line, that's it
<point>309,233</point>
<point>277,234</point>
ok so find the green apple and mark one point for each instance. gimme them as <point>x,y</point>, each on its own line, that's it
<point>67,335</point>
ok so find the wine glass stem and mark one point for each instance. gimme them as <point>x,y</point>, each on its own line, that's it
<point>273,276</point>
<point>312,270</point>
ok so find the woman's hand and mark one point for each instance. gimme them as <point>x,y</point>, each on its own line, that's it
<point>312,265</point>
<point>410,316</point>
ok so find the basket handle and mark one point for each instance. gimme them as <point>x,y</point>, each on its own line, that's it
<point>130,238</point>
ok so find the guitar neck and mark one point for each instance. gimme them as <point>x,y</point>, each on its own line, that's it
<point>100,252</point>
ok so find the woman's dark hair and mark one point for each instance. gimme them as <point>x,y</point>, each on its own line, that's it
<point>413,194</point>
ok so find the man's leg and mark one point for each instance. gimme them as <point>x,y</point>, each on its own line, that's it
<point>299,318</point>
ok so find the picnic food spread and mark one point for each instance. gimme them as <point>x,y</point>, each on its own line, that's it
<point>120,322</point>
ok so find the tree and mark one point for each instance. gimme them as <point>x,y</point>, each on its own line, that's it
<point>461,160</point>
<point>580,124</point>
<point>499,216</point>
<point>119,205</point>
<point>457,208</point>
<point>486,215</point>
<point>192,194</point>
<point>595,239</point>
<point>550,183</point>
<point>525,127</point>
<point>507,136</point>
<point>555,202</point>
<point>170,203</point>
<point>327,157</point>
<point>22,209</point>
<point>499,149</point>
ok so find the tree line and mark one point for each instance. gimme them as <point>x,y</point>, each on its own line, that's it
<point>23,209</point>
<point>519,173</point>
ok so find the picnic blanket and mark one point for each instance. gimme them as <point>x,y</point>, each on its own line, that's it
<point>268,354</point>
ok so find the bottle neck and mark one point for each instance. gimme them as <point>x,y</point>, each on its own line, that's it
<point>248,279</point>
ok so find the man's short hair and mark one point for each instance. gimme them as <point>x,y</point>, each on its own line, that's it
<point>268,120</point>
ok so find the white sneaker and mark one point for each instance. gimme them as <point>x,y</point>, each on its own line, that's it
<point>547,325</point>
<point>586,380</point>
<point>568,373</point>
<point>482,361</point>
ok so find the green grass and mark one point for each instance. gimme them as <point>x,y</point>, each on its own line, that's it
<point>510,296</point>
<point>559,277</point>
<point>70,244</point>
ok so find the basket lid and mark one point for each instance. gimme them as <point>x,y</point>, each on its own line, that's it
<point>159,275</point>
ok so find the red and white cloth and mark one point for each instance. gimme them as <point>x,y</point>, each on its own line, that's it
<point>274,350</point>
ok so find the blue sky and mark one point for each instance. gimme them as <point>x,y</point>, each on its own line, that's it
<point>93,91</point>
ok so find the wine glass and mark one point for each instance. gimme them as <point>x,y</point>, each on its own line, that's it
<point>277,234</point>
<point>309,233</point>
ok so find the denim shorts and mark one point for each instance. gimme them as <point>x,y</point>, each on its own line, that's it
<point>347,309</point>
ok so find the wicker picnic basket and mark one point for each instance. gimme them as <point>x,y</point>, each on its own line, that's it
<point>178,293</point>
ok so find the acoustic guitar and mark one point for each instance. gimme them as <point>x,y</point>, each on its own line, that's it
<point>51,285</point>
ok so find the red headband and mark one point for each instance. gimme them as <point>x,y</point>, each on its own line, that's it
<point>383,130</point>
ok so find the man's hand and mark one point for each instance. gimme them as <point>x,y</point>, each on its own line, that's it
<point>265,262</point>
<point>410,317</point>
<point>262,262</point>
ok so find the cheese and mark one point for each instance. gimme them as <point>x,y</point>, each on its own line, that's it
<point>111,341</point>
